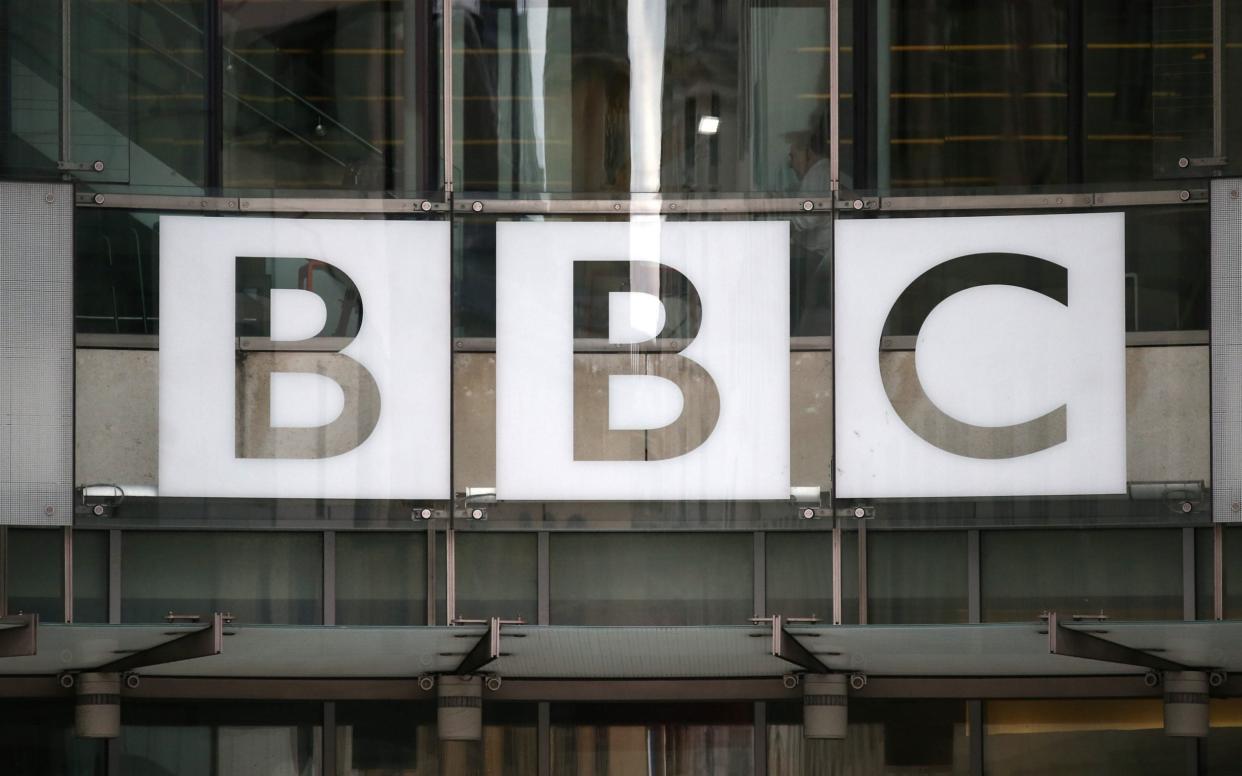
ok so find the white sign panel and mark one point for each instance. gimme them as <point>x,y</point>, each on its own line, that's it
<point>350,400</point>
<point>1016,385</point>
<point>705,419</point>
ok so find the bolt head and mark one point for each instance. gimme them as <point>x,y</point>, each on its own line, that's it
<point>808,205</point>
<point>476,513</point>
<point>858,204</point>
<point>98,165</point>
<point>859,512</point>
<point>1187,507</point>
<point>425,206</point>
<point>476,206</point>
<point>49,510</point>
<point>49,198</point>
<point>1184,195</point>
<point>424,514</point>
<point>98,199</point>
<point>1183,162</point>
<point>808,513</point>
<point>98,510</point>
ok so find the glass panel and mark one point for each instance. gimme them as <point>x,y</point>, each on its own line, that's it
<point>1079,737</point>
<point>1223,746</point>
<point>1205,605</point>
<point>1124,574</point>
<point>381,578</point>
<point>380,738</point>
<point>330,95</point>
<point>602,97</point>
<point>221,738</point>
<point>256,577</point>
<point>36,572</point>
<point>651,579</point>
<point>799,574</point>
<point>1014,94</point>
<point>884,737</point>
<point>30,72</point>
<point>140,102</point>
<point>90,576</point>
<point>917,577</point>
<point>36,738</point>
<point>599,739</point>
<point>497,576</point>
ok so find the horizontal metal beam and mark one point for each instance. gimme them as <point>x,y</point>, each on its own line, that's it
<point>19,635</point>
<point>1076,643</point>
<point>203,642</point>
<point>604,690</point>
<point>649,205</point>
<point>258,204</point>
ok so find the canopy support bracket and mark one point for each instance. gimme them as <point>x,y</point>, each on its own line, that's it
<point>19,635</point>
<point>203,642</point>
<point>1076,643</point>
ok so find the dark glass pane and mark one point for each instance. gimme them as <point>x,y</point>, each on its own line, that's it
<point>90,576</point>
<point>330,95</point>
<point>36,572</point>
<point>916,577</point>
<point>381,578</point>
<point>497,576</point>
<point>221,738</point>
<point>1223,747</point>
<point>256,577</point>
<point>599,739</point>
<point>115,272</point>
<point>884,737</point>
<point>602,97</point>
<point>799,574</point>
<point>651,579</point>
<point>1204,574</point>
<point>1124,574</point>
<point>37,738</point>
<point>30,69</point>
<point>1080,737</point>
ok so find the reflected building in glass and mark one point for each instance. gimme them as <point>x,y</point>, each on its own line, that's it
<point>620,387</point>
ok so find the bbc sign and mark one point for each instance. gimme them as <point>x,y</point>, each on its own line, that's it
<point>1015,384</point>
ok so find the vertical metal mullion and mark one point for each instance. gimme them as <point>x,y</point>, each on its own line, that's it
<point>760,575</point>
<point>1192,756</point>
<point>446,57</point>
<point>1189,606</point>
<point>431,572</point>
<point>760,745</point>
<point>974,592</point>
<point>4,570</point>
<point>114,576</point>
<point>1218,79</point>
<point>834,89</point>
<point>213,96</point>
<point>329,577</point>
<point>974,716</point>
<point>450,574</point>
<point>836,571</point>
<point>862,571</point>
<point>544,743</point>
<point>1218,572</point>
<point>328,748</point>
<point>67,572</point>
<point>543,576</point>
<point>66,80</point>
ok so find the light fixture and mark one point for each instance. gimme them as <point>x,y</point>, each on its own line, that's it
<point>825,710</point>
<point>459,712</point>
<point>1186,703</point>
<point>708,125</point>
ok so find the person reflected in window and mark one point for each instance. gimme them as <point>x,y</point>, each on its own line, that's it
<point>811,238</point>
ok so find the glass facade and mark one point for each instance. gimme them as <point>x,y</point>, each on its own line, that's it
<point>601,366</point>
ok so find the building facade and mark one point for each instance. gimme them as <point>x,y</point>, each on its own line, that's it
<point>663,386</point>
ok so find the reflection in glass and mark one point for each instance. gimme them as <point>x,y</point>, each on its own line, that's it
<point>221,738</point>
<point>36,572</point>
<point>37,738</point>
<point>1079,738</point>
<point>329,95</point>
<point>90,576</point>
<point>799,574</point>
<point>1124,574</point>
<point>605,97</point>
<point>916,577</point>
<point>650,579</point>
<point>381,578</point>
<point>884,737</point>
<point>1223,746</point>
<point>497,575</point>
<point>621,739</point>
<point>257,577</point>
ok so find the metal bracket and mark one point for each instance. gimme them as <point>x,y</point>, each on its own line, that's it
<point>19,635</point>
<point>487,648</point>
<point>203,642</point>
<point>1076,643</point>
<point>788,648</point>
<point>95,166</point>
<point>1202,161</point>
